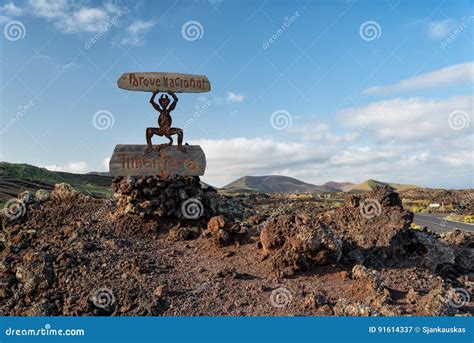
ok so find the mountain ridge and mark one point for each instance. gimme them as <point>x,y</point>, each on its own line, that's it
<point>16,178</point>
<point>286,184</point>
<point>370,184</point>
<point>19,177</point>
<point>275,184</point>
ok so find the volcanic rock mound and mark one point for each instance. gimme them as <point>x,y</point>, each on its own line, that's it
<point>153,196</point>
<point>298,242</point>
<point>64,253</point>
<point>370,220</point>
<point>223,232</point>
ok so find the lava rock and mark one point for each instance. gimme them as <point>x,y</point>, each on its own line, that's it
<point>370,220</point>
<point>299,242</point>
<point>42,195</point>
<point>216,223</point>
<point>26,197</point>
<point>63,191</point>
<point>153,196</point>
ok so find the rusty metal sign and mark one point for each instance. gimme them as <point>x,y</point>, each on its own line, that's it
<point>130,160</point>
<point>162,159</point>
<point>167,82</point>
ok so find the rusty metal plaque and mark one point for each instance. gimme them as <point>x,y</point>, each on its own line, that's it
<point>132,160</point>
<point>165,82</point>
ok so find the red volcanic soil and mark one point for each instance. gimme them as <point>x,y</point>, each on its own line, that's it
<point>76,255</point>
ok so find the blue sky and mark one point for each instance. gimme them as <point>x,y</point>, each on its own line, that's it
<point>318,90</point>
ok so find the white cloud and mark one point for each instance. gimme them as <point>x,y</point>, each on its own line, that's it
<point>414,119</point>
<point>85,19</point>
<point>9,11</point>
<point>63,67</point>
<point>140,26</point>
<point>230,98</point>
<point>67,16</point>
<point>415,163</point>
<point>78,167</point>
<point>399,140</point>
<point>228,159</point>
<point>455,74</point>
<point>440,29</point>
<point>105,163</point>
<point>49,9</point>
<point>234,97</point>
<point>136,31</point>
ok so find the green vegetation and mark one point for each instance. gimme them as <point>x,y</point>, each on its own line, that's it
<point>16,178</point>
<point>419,209</point>
<point>446,208</point>
<point>460,218</point>
<point>416,226</point>
<point>469,219</point>
<point>371,184</point>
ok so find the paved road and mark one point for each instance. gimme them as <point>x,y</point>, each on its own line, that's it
<point>440,225</point>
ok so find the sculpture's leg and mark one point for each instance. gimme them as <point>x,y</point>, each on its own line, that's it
<point>179,132</point>
<point>170,138</point>
<point>163,131</point>
<point>150,131</point>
